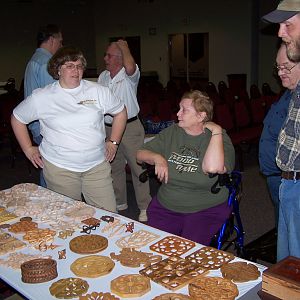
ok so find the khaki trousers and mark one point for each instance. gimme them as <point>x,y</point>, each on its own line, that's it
<point>95,184</point>
<point>132,140</point>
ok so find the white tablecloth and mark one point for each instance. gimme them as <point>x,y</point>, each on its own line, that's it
<point>41,290</point>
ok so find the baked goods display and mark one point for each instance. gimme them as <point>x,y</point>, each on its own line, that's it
<point>88,244</point>
<point>71,235</point>
<point>210,258</point>
<point>130,286</point>
<point>39,270</point>
<point>173,272</point>
<point>240,271</point>
<point>68,288</point>
<point>213,288</point>
<point>129,257</point>
<point>92,266</point>
<point>172,246</point>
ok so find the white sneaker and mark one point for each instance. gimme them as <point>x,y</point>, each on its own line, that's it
<point>122,206</point>
<point>143,216</point>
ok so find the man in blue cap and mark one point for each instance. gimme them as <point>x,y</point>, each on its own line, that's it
<point>288,145</point>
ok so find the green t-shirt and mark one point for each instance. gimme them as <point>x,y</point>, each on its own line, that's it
<point>188,188</point>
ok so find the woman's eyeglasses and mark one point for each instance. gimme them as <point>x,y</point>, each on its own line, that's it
<point>72,67</point>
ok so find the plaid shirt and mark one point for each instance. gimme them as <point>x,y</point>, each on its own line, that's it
<point>288,145</point>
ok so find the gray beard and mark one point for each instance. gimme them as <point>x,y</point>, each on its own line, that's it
<point>294,54</point>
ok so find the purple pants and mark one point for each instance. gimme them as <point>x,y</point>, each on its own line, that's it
<point>199,227</point>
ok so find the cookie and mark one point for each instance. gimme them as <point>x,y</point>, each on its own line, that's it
<point>129,257</point>
<point>172,246</point>
<point>173,273</point>
<point>240,271</point>
<point>92,266</point>
<point>98,296</point>
<point>172,296</point>
<point>130,286</point>
<point>212,288</point>
<point>68,288</point>
<point>210,258</point>
<point>88,244</point>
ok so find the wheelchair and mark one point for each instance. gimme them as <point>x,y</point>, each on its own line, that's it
<point>231,232</point>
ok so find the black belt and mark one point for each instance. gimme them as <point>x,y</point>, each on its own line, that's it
<point>290,175</point>
<point>128,121</point>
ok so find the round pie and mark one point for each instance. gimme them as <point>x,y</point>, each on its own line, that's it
<point>212,288</point>
<point>92,266</point>
<point>88,244</point>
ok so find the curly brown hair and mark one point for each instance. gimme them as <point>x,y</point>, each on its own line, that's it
<point>63,55</point>
<point>201,102</point>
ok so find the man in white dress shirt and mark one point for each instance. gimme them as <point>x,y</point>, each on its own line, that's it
<point>122,77</point>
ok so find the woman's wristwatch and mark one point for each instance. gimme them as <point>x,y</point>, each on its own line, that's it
<point>114,142</point>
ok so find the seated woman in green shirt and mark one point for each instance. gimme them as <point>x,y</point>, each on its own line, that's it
<point>184,155</point>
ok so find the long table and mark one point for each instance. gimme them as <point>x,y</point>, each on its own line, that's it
<point>46,216</point>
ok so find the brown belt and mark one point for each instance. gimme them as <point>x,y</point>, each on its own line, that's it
<point>290,175</point>
<point>128,121</point>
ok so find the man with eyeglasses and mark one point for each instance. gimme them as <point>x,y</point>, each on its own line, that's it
<point>49,40</point>
<point>122,77</point>
<point>289,74</point>
<point>288,145</point>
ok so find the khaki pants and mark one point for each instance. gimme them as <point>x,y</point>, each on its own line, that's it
<point>95,184</point>
<point>132,140</point>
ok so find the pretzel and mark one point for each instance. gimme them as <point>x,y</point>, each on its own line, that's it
<point>68,288</point>
<point>92,266</point>
<point>98,296</point>
<point>88,244</point>
<point>210,258</point>
<point>212,288</point>
<point>172,246</point>
<point>80,211</point>
<point>128,286</point>
<point>137,240</point>
<point>240,271</point>
<point>129,257</point>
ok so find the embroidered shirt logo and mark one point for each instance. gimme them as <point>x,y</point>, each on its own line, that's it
<point>88,101</point>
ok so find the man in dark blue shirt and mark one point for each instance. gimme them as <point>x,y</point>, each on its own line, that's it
<point>289,74</point>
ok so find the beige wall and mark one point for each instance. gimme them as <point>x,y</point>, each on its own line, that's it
<point>88,24</point>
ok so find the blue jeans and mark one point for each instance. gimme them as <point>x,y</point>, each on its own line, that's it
<point>273,186</point>
<point>288,242</point>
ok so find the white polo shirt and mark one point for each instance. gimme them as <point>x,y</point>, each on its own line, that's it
<point>125,88</point>
<point>72,122</point>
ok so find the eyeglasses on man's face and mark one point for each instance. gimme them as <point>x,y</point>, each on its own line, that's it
<point>110,55</point>
<point>287,69</point>
<point>72,67</point>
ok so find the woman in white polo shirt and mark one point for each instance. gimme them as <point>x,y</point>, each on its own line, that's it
<point>73,153</point>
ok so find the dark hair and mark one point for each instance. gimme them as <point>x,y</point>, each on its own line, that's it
<point>46,32</point>
<point>63,55</point>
